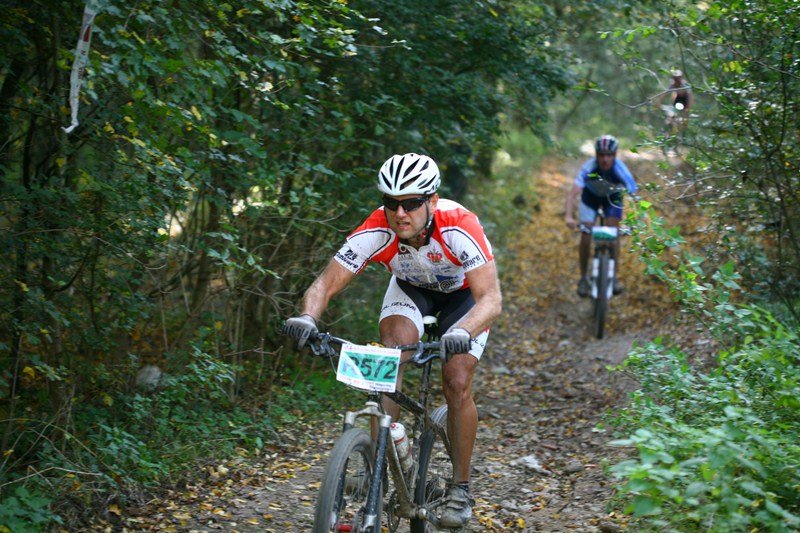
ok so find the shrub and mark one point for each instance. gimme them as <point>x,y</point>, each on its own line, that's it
<point>25,511</point>
<point>717,449</point>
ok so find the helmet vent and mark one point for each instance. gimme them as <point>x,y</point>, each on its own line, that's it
<point>409,169</point>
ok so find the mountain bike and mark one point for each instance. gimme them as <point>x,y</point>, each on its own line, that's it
<point>603,264</point>
<point>604,241</point>
<point>674,125</point>
<point>351,497</point>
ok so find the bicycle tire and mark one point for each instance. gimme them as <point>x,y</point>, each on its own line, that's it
<point>345,486</point>
<point>601,302</point>
<point>435,470</point>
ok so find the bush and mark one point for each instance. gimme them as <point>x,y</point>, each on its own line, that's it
<point>718,449</point>
<point>25,511</point>
<point>124,443</point>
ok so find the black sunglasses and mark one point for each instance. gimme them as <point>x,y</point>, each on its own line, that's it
<point>409,204</point>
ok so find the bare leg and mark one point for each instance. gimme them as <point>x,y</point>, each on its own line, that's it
<point>584,249</point>
<point>462,415</point>
<point>397,330</point>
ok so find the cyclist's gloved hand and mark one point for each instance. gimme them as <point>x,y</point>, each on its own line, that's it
<point>300,328</point>
<point>571,223</point>
<point>456,340</point>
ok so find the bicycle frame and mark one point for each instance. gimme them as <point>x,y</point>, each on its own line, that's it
<point>604,239</point>
<point>385,450</point>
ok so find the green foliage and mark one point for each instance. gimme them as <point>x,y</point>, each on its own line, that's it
<point>127,441</point>
<point>717,449</point>
<point>26,512</point>
<point>223,154</point>
<point>738,57</point>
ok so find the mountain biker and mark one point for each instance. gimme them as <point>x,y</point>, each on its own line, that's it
<point>680,96</point>
<point>605,165</point>
<point>441,263</point>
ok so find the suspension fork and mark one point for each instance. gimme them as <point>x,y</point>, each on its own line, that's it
<point>372,409</point>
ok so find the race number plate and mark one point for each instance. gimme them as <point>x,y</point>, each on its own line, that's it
<point>370,368</point>
<point>605,233</point>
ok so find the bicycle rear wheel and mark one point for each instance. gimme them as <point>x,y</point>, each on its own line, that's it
<point>601,302</point>
<point>342,499</point>
<point>435,470</point>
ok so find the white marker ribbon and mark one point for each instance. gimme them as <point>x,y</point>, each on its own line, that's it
<point>79,64</point>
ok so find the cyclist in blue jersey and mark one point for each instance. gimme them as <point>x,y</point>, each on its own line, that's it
<point>604,166</point>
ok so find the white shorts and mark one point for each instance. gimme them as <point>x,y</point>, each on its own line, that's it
<point>404,299</point>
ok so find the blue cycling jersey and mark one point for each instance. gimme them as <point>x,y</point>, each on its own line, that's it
<point>618,174</point>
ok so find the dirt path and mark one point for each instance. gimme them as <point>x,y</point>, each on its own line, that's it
<point>541,391</point>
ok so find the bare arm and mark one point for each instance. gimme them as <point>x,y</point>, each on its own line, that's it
<point>485,289</point>
<point>573,195</point>
<point>333,279</point>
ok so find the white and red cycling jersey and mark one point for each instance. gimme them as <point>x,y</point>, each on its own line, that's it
<point>456,245</point>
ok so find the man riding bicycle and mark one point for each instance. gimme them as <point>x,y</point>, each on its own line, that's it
<point>681,100</point>
<point>441,264</point>
<point>604,166</point>
<point>680,92</point>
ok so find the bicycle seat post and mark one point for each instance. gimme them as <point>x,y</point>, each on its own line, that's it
<point>430,323</point>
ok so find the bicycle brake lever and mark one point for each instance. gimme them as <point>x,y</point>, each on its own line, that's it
<point>420,350</point>
<point>322,346</point>
<point>316,347</point>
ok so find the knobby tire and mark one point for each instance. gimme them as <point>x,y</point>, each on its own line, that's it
<point>601,302</point>
<point>435,470</point>
<point>343,495</point>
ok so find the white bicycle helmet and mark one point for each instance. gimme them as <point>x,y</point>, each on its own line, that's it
<point>409,174</point>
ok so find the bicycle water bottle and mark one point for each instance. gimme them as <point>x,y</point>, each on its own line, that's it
<point>398,432</point>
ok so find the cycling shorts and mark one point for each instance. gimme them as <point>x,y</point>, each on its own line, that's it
<point>587,214</point>
<point>404,299</point>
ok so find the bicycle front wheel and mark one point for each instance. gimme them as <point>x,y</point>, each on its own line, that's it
<point>342,499</point>
<point>435,470</point>
<point>601,303</point>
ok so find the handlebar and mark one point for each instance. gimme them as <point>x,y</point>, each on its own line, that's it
<point>602,187</point>
<point>320,345</point>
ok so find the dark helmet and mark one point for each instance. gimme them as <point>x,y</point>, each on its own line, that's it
<point>607,144</point>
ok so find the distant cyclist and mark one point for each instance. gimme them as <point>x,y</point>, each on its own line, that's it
<point>681,99</point>
<point>605,166</point>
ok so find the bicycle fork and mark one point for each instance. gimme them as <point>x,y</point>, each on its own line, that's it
<point>406,508</point>
<point>371,518</point>
<point>596,274</point>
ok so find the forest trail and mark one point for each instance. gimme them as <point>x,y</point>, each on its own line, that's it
<point>541,390</point>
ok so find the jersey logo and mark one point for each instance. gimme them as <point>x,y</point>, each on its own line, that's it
<point>350,254</point>
<point>468,263</point>
<point>435,256</point>
<point>464,256</point>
